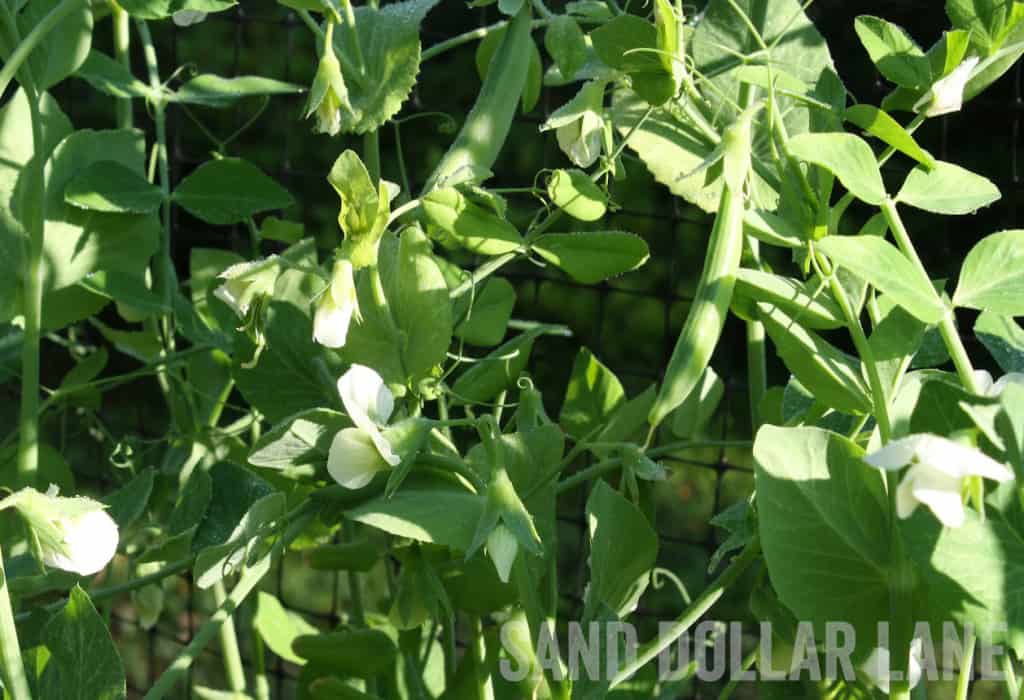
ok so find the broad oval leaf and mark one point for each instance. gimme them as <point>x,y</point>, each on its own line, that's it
<point>992,276</point>
<point>947,189</point>
<point>896,55</point>
<point>881,125</point>
<point>846,156</point>
<point>883,266</point>
<point>109,186</point>
<point>1003,338</point>
<point>229,191</point>
<point>592,256</point>
<point>440,515</point>
<point>824,525</point>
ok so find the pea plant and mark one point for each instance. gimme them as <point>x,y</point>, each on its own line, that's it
<point>368,403</point>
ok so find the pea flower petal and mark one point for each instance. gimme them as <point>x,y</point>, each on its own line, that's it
<point>353,458</point>
<point>90,542</point>
<point>947,94</point>
<point>369,404</point>
<point>337,307</point>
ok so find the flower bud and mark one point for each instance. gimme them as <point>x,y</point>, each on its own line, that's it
<point>245,281</point>
<point>579,125</point>
<point>73,534</point>
<point>328,95</point>
<point>947,94</point>
<point>337,307</point>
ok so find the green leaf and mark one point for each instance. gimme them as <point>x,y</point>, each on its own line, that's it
<point>216,561</point>
<point>294,374</point>
<point>846,156</point>
<point>592,256</point>
<point>630,44</point>
<point>495,372</point>
<point>78,242</point>
<point>11,341</point>
<point>439,515</point>
<point>389,40</point>
<point>211,90</point>
<point>882,265</point>
<point>303,440</point>
<point>824,524</point>
<point>275,229</point>
<point>111,77</point>
<point>881,125</point>
<point>410,334</point>
<point>580,197</point>
<point>111,187</point>
<point>160,9</point>
<point>279,627</point>
<point>806,302</point>
<point>469,224</point>
<point>566,44</point>
<point>618,573</point>
<point>947,189</point>
<point>593,395</point>
<point>487,319</point>
<point>1003,338</point>
<point>833,376</point>
<point>84,663</point>
<point>129,502</point>
<point>992,276</point>
<point>64,49</point>
<point>971,573</point>
<point>987,21</point>
<point>772,229</point>
<point>897,56</point>
<point>228,191</point>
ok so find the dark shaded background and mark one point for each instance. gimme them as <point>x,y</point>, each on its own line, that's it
<point>630,322</point>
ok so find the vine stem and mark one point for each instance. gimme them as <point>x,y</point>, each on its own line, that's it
<point>34,223</point>
<point>248,581</point>
<point>963,682</point>
<point>947,327</point>
<point>229,644</point>
<point>122,42</point>
<point>472,35</point>
<point>10,652</point>
<point>33,38</point>
<point>693,613</point>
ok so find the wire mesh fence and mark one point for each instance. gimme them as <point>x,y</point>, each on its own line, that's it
<point>630,323</point>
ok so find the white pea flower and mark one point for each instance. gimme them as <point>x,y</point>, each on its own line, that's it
<point>73,534</point>
<point>90,542</point>
<point>938,469</point>
<point>244,281</point>
<point>879,671</point>
<point>337,307</point>
<point>947,94</point>
<point>358,453</point>
<point>994,388</point>
<point>186,18</point>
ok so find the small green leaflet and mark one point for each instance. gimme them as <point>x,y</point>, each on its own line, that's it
<point>992,276</point>
<point>947,189</point>
<point>881,125</point>
<point>846,156</point>
<point>109,186</point>
<point>592,256</point>
<point>228,191</point>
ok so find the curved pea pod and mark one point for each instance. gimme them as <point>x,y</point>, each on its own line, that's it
<point>360,555</point>
<point>333,688</point>
<point>486,128</point>
<point>362,653</point>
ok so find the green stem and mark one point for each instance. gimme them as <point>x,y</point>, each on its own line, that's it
<point>13,669</point>
<point>867,355</point>
<point>122,43</point>
<point>1009,676</point>
<point>483,272</point>
<point>251,576</point>
<point>261,683</point>
<point>32,40</point>
<point>757,363</point>
<point>229,644</point>
<point>371,153</point>
<point>733,684</point>
<point>353,34</point>
<point>693,613</point>
<point>947,327</point>
<point>963,682</point>
<point>472,35</point>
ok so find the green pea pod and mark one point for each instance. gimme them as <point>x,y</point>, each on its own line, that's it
<point>484,132</point>
<point>349,556</point>
<point>710,306</point>
<point>362,653</point>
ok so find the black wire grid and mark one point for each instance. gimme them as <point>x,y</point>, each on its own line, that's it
<point>630,323</point>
